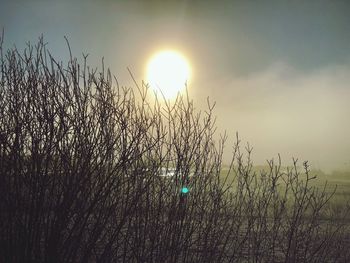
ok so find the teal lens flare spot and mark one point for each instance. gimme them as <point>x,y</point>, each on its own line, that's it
<point>184,190</point>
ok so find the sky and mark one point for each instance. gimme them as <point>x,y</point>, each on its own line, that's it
<point>279,71</point>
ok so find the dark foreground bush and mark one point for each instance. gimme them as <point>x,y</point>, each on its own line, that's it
<point>81,161</point>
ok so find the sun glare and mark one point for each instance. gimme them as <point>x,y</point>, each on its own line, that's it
<point>168,72</point>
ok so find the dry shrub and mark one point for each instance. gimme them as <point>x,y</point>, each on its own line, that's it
<point>80,165</point>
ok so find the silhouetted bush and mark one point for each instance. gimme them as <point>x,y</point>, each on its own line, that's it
<point>81,161</point>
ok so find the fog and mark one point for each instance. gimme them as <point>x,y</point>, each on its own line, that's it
<point>282,110</point>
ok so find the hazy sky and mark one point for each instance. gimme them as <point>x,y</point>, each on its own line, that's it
<point>278,70</point>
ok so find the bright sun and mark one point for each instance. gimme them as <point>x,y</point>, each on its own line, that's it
<point>168,71</point>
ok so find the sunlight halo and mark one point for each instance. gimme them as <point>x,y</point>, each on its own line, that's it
<point>168,72</point>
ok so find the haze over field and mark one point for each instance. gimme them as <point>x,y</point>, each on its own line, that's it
<point>279,71</point>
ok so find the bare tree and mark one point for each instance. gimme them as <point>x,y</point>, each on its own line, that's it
<point>81,160</point>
